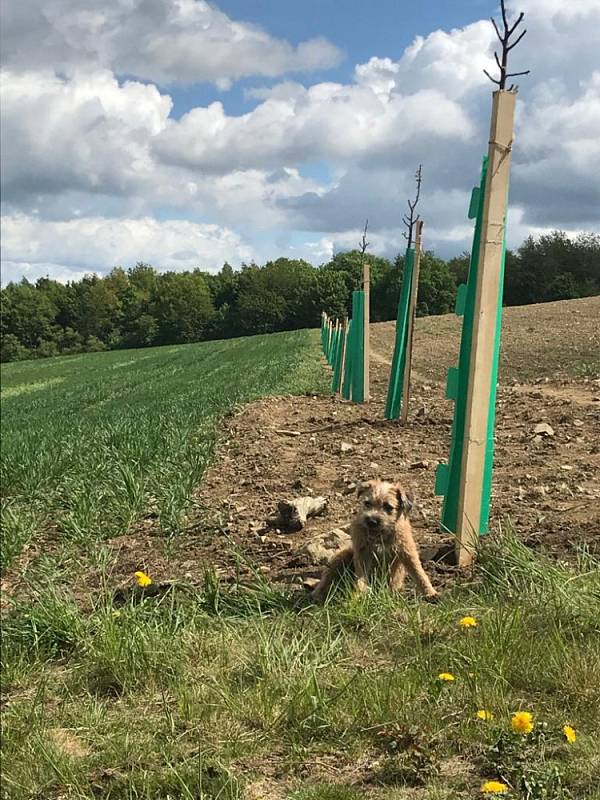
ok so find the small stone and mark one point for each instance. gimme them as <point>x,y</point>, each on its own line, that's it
<point>419,465</point>
<point>373,466</point>
<point>579,423</point>
<point>351,487</point>
<point>566,467</point>
<point>323,548</point>
<point>543,429</point>
<point>345,447</point>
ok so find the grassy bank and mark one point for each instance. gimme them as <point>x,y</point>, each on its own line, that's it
<point>235,694</point>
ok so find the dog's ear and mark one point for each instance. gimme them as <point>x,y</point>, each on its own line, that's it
<point>363,487</point>
<point>406,500</point>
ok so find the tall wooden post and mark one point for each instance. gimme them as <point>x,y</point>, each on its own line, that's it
<point>412,309</point>
<point>486,309</point>
<point>366,285</point>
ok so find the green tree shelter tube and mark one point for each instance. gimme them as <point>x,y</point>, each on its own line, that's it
<point>448,476</point>
<point>353,383</point>
<point>394,395</point>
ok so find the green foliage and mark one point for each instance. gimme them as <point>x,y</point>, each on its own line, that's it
<point>11,349</point>
<point>437,288</point>
<point>181,306</point>
<point>553,267</point>
<point>141,307</point>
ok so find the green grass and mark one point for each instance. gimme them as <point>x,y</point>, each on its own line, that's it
<point>201,697</point>
<point>92,443</point>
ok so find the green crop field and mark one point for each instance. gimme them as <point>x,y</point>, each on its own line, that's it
<point>232,691</point>
<point>91,442</point>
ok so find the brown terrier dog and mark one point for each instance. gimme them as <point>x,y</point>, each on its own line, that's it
<point>382,541</point>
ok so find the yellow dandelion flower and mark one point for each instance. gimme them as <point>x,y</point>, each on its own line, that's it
<point>522,722</point>
<point>142,579</point>
<point>570,734</point>
<point>486,716</point>
<point>467,622</point>
<point>494,787</point>
<point>446,676</point>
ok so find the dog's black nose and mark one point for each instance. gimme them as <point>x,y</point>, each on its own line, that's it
<point>372,522</point>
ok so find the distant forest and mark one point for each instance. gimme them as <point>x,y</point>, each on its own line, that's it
<point>140,307</point>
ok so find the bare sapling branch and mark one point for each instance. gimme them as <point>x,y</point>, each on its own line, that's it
<point>363,244</point>
<point>410,219</point>
<point>507,46</point>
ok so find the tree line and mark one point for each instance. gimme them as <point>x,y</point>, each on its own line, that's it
<point>140,307</point>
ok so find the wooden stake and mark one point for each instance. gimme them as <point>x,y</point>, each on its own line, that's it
<point>412,310</point>
<point>486,308</point>
<point>367,338</point>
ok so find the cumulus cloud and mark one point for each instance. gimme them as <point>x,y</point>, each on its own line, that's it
<point>70,145</point>
<point>31,246</point>
<point>294,124</point>
<point>82,143</point>
<point>557,161</point>
<point>165,41</point>
<point>88,133</point>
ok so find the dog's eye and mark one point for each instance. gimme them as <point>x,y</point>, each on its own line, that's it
<point>388,508</point>
<point>367,504</point>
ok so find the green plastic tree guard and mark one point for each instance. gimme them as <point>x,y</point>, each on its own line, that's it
<point>353,380</point>
<point>337,361</point>
<point>394,394</point>
<point>347,377</point>
<point>358,371</point>
<point>448,476</point>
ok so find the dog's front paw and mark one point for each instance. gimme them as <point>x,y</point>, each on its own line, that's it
<point>317,597</point>
<point>432,598</point>
<point>361,587</point>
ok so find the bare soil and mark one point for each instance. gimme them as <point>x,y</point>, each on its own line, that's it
<point>283,447</point>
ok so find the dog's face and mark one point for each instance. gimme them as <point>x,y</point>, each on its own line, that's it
<point>382,503</point>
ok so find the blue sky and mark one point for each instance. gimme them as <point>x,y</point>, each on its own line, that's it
<point>186,133</point>
<point>384,28</point>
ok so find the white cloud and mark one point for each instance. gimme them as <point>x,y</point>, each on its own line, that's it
<point>307,162</point>
<point>557,161</point>
<point>164,41</point>
<point>328,120</point>
<point>88,133</point>
<point>96,244</point>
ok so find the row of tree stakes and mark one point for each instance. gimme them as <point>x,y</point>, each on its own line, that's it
<point>465,480</point>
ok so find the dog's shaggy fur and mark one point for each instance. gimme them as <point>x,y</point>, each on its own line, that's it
<point>382,542</point>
